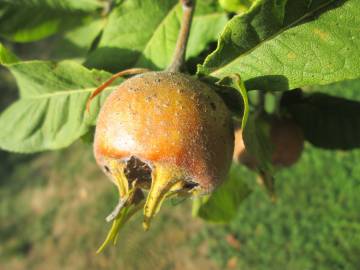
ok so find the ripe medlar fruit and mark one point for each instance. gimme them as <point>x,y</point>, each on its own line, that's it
<point>164,132</point>
<point>287,141</point>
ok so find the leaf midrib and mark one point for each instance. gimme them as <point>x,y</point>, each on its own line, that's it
<point>218,70</point>
<point>56,92</point>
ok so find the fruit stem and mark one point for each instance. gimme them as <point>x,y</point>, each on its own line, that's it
<point>126,72</point>
<point>180,49</point>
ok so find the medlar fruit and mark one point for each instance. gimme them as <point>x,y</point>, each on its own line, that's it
<point>287,141</point>
<point>166,133</point>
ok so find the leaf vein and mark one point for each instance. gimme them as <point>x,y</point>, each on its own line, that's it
<point>215,71</point>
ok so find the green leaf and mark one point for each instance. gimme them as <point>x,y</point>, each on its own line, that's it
<point>24,21</point>
<point>232,99</point>
<point>207,25</point>
<point>237,6</point>
<point>281,45</point>
<point>6,57</point>
<point>223,204</point>
<point>238,84</point>
<point>76,43</point>
<point>258,144</point>
<point>257,141</point>
<point>50,113</point>
<point>143,33</point>
<point>88,137</point>
<point>327,121</point>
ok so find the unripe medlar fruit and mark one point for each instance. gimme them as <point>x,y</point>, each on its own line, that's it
<point>165,132</point>
<point>287,141</point>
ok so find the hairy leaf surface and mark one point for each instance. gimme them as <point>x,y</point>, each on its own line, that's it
<point>50,113</point>
<point>281,45</point>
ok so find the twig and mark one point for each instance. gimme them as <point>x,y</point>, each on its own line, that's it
<point>181,44</point>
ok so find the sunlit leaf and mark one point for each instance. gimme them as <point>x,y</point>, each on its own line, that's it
<point>257,141</point>
<point>50,113</point>
<point>280,45</point>
<point>143,33</point>
<point>24,20</point>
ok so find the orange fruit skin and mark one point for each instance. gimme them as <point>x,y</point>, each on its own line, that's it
<point>167,118</point>
<point>287,141</point>
<point>241,155</point>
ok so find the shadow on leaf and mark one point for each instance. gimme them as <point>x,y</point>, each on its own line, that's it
<point>327,121</point>
<point>267,83</point>
<point>116,59</point>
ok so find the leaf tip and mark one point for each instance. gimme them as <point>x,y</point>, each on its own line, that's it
<point>6,56</point>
